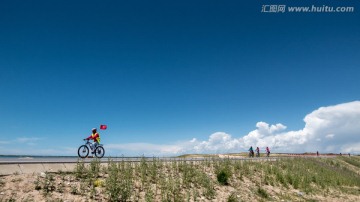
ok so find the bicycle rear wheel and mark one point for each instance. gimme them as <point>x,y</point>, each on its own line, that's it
<point>99,151</point>
<point>83,151</point>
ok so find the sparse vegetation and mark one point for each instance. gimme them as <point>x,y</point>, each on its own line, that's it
<point>46,184</point>
<point>262,193</point>
<point>233,198</point>
<point>355,161</point>
<point>152,179</point>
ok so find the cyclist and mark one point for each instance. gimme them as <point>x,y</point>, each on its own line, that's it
<point>257,152</point>
<point>267,151</point>
<point>95,137</point>
<point>251,150</point>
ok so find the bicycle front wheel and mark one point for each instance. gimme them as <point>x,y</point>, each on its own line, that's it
<point>83,151</point>
<point>99,151</point>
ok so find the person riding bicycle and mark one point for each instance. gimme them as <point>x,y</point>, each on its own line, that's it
<point>257,151</point>
<point>267,151</point>
<point>251,150</point>
<point>95,137</point>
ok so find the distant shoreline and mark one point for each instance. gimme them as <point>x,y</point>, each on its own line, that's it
<point>34,156</point>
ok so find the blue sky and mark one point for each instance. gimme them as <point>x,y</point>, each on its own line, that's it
<point>164,72</point>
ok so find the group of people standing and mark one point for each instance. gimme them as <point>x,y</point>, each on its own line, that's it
<point>251,152</point>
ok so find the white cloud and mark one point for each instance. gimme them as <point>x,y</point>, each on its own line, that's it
<point>217,143</point>
<point>337,126</point>
<point>350,148</point>
<point>329,136</point>
<point>327,129</point>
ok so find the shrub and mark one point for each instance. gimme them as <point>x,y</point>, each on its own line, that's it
<point>262,193</point>
<point>80,170</point>
<point>223,177</point>
<point>233,198</point>
<point>223,172</point>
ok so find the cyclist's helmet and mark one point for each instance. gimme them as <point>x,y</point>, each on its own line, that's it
<point>94,129</point>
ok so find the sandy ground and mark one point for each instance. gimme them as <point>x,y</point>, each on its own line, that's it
<point>23,188</point>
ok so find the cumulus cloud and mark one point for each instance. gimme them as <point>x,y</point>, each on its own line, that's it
<point>218,142</point>
<point>327,129</point>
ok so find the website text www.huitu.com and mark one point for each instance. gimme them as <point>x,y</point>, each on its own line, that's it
<point>306,9</point>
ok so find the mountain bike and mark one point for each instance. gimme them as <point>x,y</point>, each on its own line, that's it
<point>84,150</point>
<point>257,154</point>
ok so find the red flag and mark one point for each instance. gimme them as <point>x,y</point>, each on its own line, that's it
<point>103,127</point>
